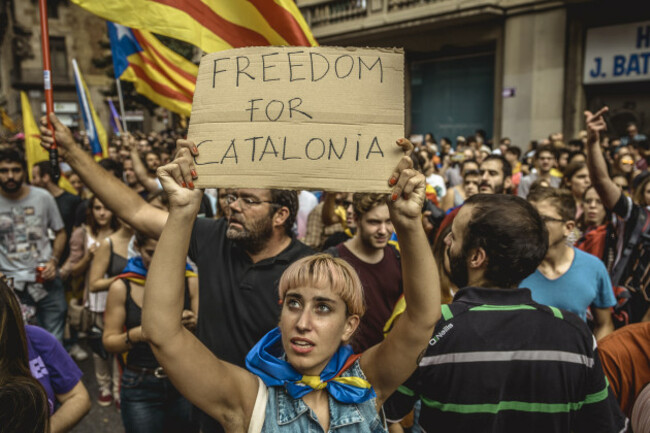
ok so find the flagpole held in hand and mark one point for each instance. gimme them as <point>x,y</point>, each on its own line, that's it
<point>47,84</point>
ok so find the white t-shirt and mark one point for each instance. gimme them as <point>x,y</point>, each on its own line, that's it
<point>438,183</point>
<point>306,202</point>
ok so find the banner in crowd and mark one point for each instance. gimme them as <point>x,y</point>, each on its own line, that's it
<point>34,152</point>
<point>157,72</point>
<point>299,118</point>
<point>94,129</point>
<point>212,25</point>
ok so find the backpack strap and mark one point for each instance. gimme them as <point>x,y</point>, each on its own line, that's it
<point>259,410</point>
<point>110,259</point>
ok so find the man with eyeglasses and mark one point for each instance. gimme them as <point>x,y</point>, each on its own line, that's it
<point>26,214</point>
<point>240,258</point>
<point>568,278</point>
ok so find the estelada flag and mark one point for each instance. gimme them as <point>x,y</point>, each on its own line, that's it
<point>157,72</point>
<point>34,152</point>
<point>94,129</point>
<point>212,25</point>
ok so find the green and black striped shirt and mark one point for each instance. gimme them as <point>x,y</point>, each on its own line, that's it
<point>499,362</point>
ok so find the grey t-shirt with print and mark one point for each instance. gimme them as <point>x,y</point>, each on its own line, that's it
<point>24,238</point>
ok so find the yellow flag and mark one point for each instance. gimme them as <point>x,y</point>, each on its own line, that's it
<point>34,153</point>
<point>7,122</point>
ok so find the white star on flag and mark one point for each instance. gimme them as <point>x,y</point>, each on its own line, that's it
<point>123,32</point>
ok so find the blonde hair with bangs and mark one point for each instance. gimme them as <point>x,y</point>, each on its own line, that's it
<point>324,271</point>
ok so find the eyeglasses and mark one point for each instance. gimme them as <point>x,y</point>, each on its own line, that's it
<point>246,202</point>
<point>548,219</point>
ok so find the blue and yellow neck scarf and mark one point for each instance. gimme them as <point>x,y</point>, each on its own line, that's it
<point>265,360</point>
<point>136,272</point>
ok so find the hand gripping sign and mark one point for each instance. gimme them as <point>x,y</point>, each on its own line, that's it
<point>299,118</point>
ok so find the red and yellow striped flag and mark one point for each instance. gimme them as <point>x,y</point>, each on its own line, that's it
<point>212,25</point>
<point>157,72</point>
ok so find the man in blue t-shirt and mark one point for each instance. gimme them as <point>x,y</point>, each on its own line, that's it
<point>568,278</point>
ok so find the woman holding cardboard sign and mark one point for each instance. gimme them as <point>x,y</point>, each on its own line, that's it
<point>301,375</point>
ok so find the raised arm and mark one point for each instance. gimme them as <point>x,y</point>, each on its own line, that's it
<point>388,364</point>
<point>128,142</point>
<point>224,391</point>
<point>607,190</point>
<point>118,197</point>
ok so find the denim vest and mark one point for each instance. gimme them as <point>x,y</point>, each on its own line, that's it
<point>285,414</point>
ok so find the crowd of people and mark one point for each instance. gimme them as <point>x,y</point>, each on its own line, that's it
<point>493,289</point>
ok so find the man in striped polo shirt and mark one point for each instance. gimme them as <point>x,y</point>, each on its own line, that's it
<point>498,361</point>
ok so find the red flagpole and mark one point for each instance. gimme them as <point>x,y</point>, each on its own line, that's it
<point>47,84</point>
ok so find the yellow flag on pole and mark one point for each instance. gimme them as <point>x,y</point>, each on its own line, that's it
<point>34,153</point>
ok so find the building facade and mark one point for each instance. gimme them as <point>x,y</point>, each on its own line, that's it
<point>512,68</point>
<point>74,34</point>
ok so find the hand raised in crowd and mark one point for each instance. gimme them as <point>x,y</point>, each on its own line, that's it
<point>407,196</point>
<point>62,135</point>
<point>595,124</point>
<point>176,179</point>
<point>186,151</point>
<point>127,141</point>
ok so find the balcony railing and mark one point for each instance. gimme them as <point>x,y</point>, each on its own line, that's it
<point>319,13</point>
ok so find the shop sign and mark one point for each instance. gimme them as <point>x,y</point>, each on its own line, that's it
<point>62,107</point>
<point>617,54</point>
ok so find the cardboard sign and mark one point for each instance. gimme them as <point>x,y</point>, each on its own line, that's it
<point>321,118</point>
